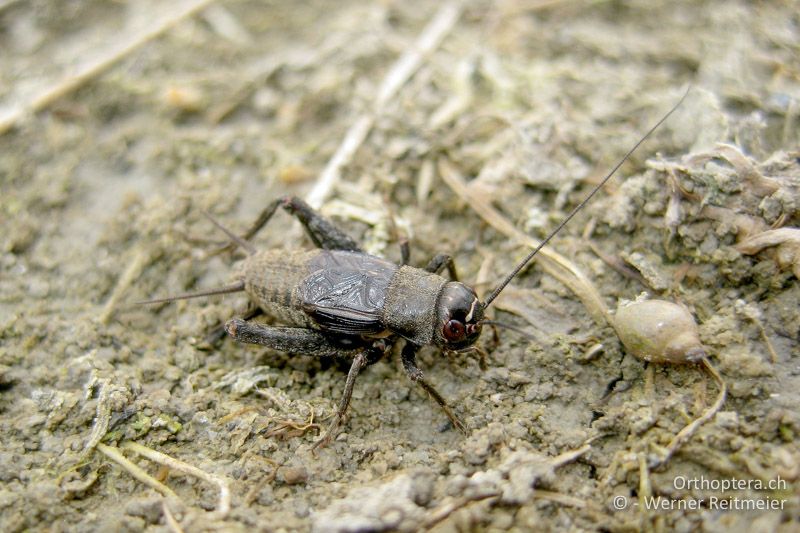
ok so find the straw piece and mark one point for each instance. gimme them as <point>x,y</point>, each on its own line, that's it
<point>551,262</point>
<point>120,46</point>
<point>115,455</point>
<point>398,75</point>
<point>224,505</point>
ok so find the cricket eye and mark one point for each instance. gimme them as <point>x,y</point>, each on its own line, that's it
<point>453,330</point>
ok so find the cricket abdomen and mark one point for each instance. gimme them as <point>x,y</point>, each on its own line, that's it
<point>273,279</point>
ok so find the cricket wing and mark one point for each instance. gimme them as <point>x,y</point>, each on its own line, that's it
<point>346,292</point>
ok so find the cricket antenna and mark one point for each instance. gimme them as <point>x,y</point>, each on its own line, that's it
<point>580,206</point>
<point>512,327</point>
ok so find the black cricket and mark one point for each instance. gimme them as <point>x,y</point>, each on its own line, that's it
<point>338,300</point>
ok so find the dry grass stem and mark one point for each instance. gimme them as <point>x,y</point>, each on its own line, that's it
<point>449,507</point>
<point>568,457</point>
<point>398,74</point>
<point>551,262</point>
<point>118,48</point>
<point>135,266</point>
<point>170,520</point>
<point>557,497</point>
<point>224,505</point>
<point>116,455</point>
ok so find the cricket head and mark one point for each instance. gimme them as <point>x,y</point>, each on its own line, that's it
<point>458,317</point>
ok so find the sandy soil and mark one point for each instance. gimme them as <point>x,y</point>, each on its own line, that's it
<point>104,180</point>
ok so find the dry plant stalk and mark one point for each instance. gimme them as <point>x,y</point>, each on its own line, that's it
<point>115,455</point>
<point>443,21</point>
<point>453,505</point>
<point>134,269</point>
<point>170,520</point>
<point>224,505</point>
<point>551,261</point>
<point>90,67</point>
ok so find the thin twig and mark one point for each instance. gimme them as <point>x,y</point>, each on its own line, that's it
<point>772,353</point>
<point>90,67</point>
<point>330,175</point>
<point>399,74</point>
<point>567,457</point>
<point>557,497</point>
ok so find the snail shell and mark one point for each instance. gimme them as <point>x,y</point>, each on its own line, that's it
<point>659,331</point>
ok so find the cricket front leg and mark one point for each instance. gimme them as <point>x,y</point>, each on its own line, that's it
<point>409,358</point>
<point>441,261</point>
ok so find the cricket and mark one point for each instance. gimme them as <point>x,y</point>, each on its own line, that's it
<point>339,301</point>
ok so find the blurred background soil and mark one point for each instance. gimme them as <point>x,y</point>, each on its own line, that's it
<point>122,121</point>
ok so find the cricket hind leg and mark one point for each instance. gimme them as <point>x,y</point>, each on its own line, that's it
<point>409,358</point>
<point>368,356</point>
<point>218,332</point>
<point>302,341</point>
<point>322,231</point>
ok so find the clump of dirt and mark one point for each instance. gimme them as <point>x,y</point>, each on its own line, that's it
<point>229,105</point>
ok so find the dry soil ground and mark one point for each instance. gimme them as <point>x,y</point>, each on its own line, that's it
<point>122,121</point>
